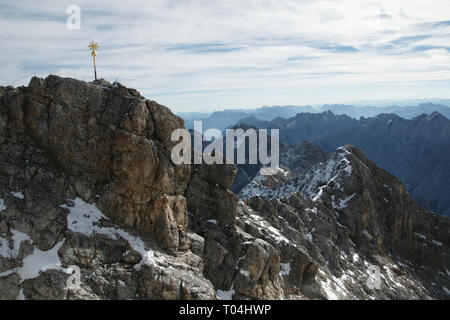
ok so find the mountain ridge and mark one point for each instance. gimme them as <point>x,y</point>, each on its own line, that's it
<point>415,150</point>
<point>87,184</point>
<point>230,117</point>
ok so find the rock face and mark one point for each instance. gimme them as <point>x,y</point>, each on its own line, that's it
<point>92,142</point>
<point>91,207</point>
<point>109,141</point>
<point>294,160</point>
<point>415,150</point>
<point>237,263</point>
<point>347,215</point>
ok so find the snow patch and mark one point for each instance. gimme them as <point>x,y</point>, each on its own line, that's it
<point>326,285</point>
<point>246,273</point>
<point>40,261</point>
<point>12,251</point>
<point>351,242</point>
<point>18,195</point>
<point>446,290</point>
<point>263,225</point>
<point>342,203</point>
<point>254,188</point>
<point>438,243</point>
<point>32,264</point>
<point>20,296</point>
<point>7,272</point>
<point>312,210</point>
<point>334,287</point>
<point>419,235</point>
<point>285,269</point>
<point>328,175</point>
<point>2,205</point>
<point>226,295</point>
<point>84,218</point>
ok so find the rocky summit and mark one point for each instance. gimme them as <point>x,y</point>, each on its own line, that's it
<point>92,207</point>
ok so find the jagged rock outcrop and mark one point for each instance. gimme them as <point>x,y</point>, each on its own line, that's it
<point>354,215</point>
<point>415,150</point>
<point>301,157</point>
<point>111,142</point>
<point>92,207</point>
<point>294,160</point>
<point>238,264</point>
<point>66,144</point>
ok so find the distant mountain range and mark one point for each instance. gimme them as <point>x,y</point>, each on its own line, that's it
<point>416,150</point>
<point>227,118</point>
<point>397,102</point>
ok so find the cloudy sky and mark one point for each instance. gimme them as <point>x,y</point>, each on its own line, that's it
<point>203,55</point>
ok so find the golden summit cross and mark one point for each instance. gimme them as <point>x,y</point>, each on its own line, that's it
<point>94,47</point>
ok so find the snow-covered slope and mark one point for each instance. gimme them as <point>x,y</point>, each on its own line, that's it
<point>341,213</point>
<point>322,175</point>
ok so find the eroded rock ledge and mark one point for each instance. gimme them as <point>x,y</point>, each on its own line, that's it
<point>99,143</point>
<point>113,146</point>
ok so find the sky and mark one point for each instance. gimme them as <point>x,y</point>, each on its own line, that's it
<point>204,55</point>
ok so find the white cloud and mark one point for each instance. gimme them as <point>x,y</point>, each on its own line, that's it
<point>194,54</point>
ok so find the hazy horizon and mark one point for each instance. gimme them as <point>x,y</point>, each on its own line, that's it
<point>382,103</point>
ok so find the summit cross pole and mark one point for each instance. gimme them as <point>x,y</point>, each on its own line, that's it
<point>94,46</point>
